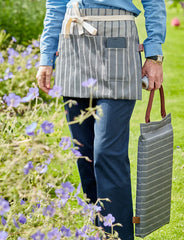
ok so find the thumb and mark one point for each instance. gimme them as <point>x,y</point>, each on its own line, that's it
<point>144,72</point>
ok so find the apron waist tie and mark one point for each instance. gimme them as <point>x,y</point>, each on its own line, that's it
<point>82,24</point>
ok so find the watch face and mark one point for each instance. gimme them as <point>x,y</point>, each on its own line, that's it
<point>160,58</point>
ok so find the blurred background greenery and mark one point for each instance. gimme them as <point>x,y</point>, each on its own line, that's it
<point>22,18</point>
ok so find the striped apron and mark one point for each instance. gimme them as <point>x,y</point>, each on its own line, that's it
<point>111,56</point>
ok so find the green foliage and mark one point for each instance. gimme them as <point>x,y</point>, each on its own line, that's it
<point>22,18</point>
<point>3,39</point>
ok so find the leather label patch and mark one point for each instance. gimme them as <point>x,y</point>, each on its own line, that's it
<point>136,220</point>
<point>116,42</point>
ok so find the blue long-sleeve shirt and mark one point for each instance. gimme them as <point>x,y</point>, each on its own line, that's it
<point>155,15</point>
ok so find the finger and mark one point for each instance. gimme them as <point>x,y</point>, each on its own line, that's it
<point>143,72</point>
<point>48,77</point>
<point>157,85</point>
<point>43,87</point>
<point>40,80</point>
<point>41,84</point>
<point>151,84</point>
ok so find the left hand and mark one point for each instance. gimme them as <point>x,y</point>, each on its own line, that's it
<point>154,72</point>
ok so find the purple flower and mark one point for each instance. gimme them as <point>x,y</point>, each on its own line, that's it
<point>3,235</point>
<point>10,75</point>
<point>19,68</point>
<point>80,202</point>
<point>68,187</point>
<point>34,91</point>
<point>108,220</point>
<point>22,219</point>
<point>38,205</point>
<point>7,70</point>
<point>78,190</point>
<point>35,57</point>
<point>42,168</point>
<point>48,211</point>
<point>3,221</point>
<point>49,158</point>
<point>54,234</point>
<point>28,167</point>
<point>4,206</point>
<point>14,39</point>
<point>76,152</point>
<point>1,58</point>
<point>63,195</point>
<point>28,66</point>
<point>29,61</point>
<point>12,100</point>
<point>50,185</point>
<point>65,231</point>
<point>80,233</point>
<point>47,127</point>
<point>89,83</point>
<point>24,54</point>
<point>12,52</point>
<point>20,238</point>
<point>37,64</point>
<point>55,91</point>
<point>38,236</point>
<point>29,150</point>
<point>88,210</point>
<point>27,98</point>
<point>22,202</point>
<point>93,238</point>
<point>15,223</point>
<point>10,60</point>
<point>29,49</point>
<point>48,161</point>
<point>30,129</point>
<point>36,43</point>
<point>6,77</point>
<point>1,79</point>
<point>65,143</point>
<point>97,208</point>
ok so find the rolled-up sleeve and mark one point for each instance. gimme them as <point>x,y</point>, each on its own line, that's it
<point>155,17</point>
<point>55,11</point>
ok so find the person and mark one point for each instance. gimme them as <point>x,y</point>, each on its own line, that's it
<point>98,39</point>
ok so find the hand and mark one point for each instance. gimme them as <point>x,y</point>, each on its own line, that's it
<point>43,77</point>
<point>154,72</point>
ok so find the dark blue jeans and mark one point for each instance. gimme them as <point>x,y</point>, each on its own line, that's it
<point>105,142</point>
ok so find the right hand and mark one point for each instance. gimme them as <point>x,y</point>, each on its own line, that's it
<point>43,77</point>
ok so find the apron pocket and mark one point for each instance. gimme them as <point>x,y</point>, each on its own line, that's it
<point>80,58</point>
<point>121,59</point>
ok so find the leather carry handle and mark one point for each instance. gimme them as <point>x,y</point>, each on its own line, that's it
<point>162,100</point>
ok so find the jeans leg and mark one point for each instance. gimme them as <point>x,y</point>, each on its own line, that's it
<point>111,163</point>
<point>84,133</point>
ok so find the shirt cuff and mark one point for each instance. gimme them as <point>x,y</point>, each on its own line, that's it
<point>47,59</point>
<point>152,49</point>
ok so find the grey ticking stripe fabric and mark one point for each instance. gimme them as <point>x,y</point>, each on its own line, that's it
<point>117,70</point>
<point>154,176</point>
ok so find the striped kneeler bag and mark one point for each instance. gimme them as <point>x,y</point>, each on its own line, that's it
<point>154,172</point>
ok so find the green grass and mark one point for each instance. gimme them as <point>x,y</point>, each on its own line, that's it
<point>174,92</point>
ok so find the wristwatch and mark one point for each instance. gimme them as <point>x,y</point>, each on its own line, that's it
<point>157,58</point>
